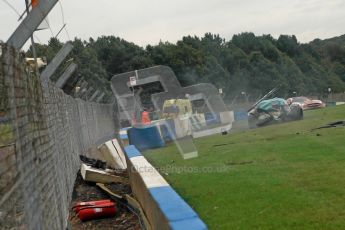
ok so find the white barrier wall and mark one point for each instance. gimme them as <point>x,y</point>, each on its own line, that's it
<point>164,208</point>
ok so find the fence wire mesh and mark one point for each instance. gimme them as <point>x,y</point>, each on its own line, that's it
<point>42,133</point>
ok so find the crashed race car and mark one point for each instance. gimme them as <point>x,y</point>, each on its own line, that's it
<point>272,111</point>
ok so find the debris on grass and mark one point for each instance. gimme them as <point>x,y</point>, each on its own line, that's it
<point>238,163</point>
<point>331,125</point>
<point>218,145</point>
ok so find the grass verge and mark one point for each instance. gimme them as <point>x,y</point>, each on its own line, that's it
<point>277,177</point>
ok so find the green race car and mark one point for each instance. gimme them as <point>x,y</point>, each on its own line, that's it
<point>273,111</point>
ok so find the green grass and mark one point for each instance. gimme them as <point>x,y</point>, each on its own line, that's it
<point>276,177</point>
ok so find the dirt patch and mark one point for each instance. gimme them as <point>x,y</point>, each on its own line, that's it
<point>84,191</point>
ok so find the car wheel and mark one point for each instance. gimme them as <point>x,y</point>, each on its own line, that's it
<point>296,113</point>
<point>252,121</point>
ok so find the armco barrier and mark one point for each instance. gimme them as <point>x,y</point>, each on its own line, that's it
<point>164,208</point>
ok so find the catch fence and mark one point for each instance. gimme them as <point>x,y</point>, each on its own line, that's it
<point>42,133</point>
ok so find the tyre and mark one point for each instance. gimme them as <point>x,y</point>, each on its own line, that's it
<point>296,113</point>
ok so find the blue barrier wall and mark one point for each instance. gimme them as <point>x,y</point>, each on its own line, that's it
<point>240,115</point>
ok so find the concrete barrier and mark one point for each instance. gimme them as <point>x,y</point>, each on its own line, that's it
<point>227,117</point>
<point>123,136</point>
<point>164,208</point>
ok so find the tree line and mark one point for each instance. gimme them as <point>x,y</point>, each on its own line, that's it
<point>246,63</point>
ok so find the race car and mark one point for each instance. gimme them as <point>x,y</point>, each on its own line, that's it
<point>273,111</point>
<point>306,103</point>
